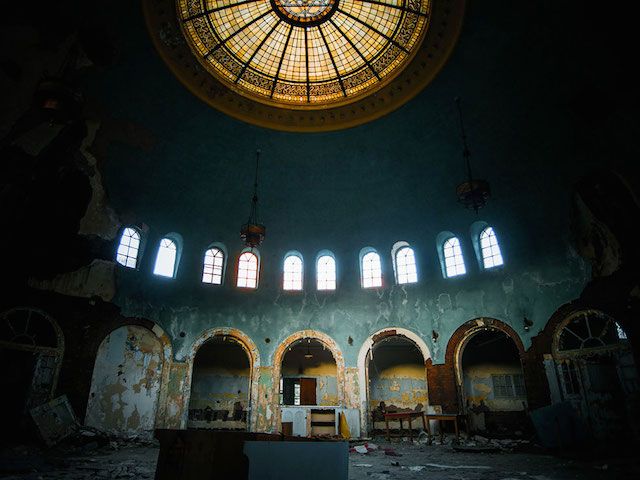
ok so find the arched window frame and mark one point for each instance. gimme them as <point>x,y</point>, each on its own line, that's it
<point>395,250</point>
<point>255,252</point>
<point>321,254</point>
<point>141,245</point>
<point>441,242</point>
<point>476,231</point>
<point>176,238</point>
<point>363,253</point>
<point>223,249</point>
<point>288,255</point>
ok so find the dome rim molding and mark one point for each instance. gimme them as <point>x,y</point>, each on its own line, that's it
<point>428,60</point>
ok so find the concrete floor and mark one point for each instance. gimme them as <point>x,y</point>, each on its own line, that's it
<point>416,461</point>
<point>440,462</point>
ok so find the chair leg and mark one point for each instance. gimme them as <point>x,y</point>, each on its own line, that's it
<point>410,430</point>
<point>386,421</point>
<point>455,425</point>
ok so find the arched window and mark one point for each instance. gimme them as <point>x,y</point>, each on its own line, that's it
<point>166,258</point>
<point>326,272</point>
<point>292,272</point>
<point>406,271</point>
<point>248,270</point>
<point>490,249</point>
<point>213,266</point>
<point>128,248</point>
<point>453,259</point>
<point>371,270</point>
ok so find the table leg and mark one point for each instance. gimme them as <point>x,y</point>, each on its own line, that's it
<point>401,426</point>
<point>455,425</point>
<point>410,430</point>
<point>386,421</point>
<point>441,431</point>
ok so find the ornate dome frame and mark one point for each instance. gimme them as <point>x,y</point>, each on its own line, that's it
<point>427,60</point>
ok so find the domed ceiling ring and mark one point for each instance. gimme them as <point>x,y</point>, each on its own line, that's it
<point>305,65</point>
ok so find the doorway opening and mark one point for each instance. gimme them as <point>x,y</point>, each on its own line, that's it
<point>31,350</point>
<point>596,372</point>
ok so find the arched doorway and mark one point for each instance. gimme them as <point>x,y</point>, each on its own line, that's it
<point>596,372</point>
<point>491,388</point>
<point>220,385</point>
<point>309,384</point>
<point>31,350</point>
<point>393,376</point>
<point>126,382</point>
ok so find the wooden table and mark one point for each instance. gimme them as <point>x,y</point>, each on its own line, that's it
<point>405,416</point>
<point>444,417</point>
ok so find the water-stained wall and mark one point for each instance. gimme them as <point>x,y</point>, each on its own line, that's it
<point>220,385</point>
<point>126,382</point>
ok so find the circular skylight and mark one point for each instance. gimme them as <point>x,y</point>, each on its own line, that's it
<point>304,53</point>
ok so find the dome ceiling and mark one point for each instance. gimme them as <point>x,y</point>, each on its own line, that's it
<point>305,65</point>
<point>304,53</point>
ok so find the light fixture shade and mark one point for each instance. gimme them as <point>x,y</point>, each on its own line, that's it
<point>252,234</point>
<point>473,194</point>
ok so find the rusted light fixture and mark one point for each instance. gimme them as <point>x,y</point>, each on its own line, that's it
<point>308,354</point>
<point>473,193</point>
<point>56,98</point>
<point>253,232</point>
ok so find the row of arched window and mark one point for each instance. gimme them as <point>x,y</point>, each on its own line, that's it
<point>248,268</point>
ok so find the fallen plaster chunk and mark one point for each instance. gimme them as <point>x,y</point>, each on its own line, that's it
<point>364,465</point>
<point>417,468</point>
<point>361,449</point>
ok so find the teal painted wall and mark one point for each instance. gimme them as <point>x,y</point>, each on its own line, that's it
<point>189,170</point>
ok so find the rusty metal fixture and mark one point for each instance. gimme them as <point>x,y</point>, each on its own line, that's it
<point>308,354</point>
<point>253,232</point>
<point>58,99</point>
<point>472,193</point>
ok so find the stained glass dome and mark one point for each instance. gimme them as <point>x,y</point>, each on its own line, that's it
<point>304,54</point>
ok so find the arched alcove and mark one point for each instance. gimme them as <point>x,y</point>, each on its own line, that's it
<point>392,375</point>
<point>128,376</point>
<point>307,366</point>
<point>595,371</point>
<point>31,350</point>
<point>490,377</point>
<point>222,358</point>
<point>220,385</point>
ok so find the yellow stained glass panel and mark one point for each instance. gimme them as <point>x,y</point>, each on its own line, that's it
<point>304,52</point>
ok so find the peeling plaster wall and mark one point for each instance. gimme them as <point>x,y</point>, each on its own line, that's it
<point>403,386</point>
<point>478,387</point>
<point>126,383</point>
<point>94,280</point>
